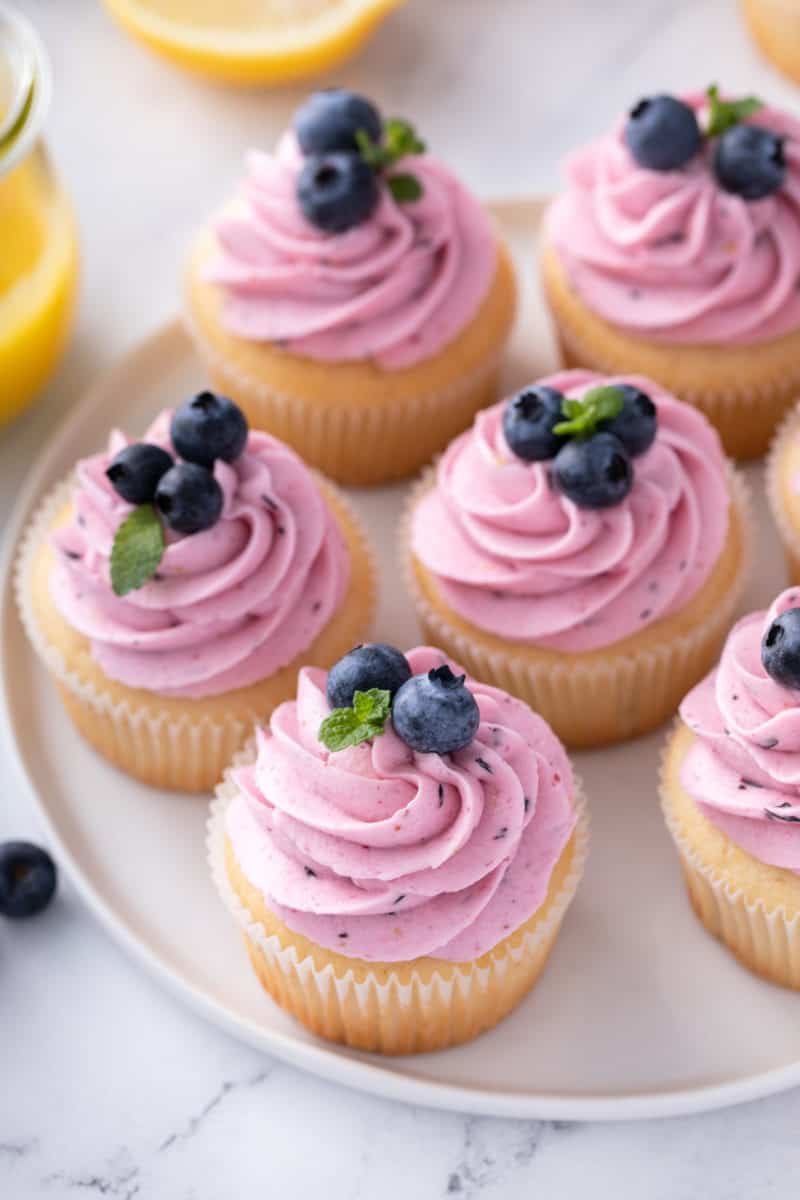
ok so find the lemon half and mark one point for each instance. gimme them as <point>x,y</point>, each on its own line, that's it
<point>253,41</point>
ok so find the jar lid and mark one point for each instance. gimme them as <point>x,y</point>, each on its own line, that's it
<point>25,86</point>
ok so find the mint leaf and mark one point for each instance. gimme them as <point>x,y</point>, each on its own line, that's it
<point>724,114</point>
<point>373,154</point>
<point>137,550</point>
<point>405,188</point>
<point>350,726</point>
<point>400,139</point>
<point>584,415</point>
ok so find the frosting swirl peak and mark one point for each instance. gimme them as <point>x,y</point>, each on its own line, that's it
<point>228,606</point>
<point>396,288</point>
<point>671,255</point>
<point>743,768</point>
<point>385,854</point>
<point>518,559</point>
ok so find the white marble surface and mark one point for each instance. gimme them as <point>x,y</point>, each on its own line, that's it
<point>107,1087</point>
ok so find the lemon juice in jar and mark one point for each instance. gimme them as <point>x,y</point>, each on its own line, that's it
<point>38,241</point>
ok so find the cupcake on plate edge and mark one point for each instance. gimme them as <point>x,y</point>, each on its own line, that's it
<point>583,547</point>
<point>674,252</point>
<point>173,586</point>
<point>354,298</point>
<point>399,851</point>
<point>731,792</point>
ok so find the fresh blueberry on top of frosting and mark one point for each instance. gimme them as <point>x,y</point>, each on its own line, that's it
<point>200,613</point>
<point>189,498</point>
<point>208,427</point>
<point>662,133</point>
<point>330,120</point>
<point>529,419</point>
<point>135,472</point>
<point>750,161</point>
<point>517,557</point>
<point>593,472</point>
<point>374,665</point>
<point>780,648</point>
<point>406,853</point>
<point>637,421</point>
<point>436,713</point>
<point>337,191</point>
<point>351,153</point>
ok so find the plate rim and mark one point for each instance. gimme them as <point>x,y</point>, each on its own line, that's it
<point>367,1074</point>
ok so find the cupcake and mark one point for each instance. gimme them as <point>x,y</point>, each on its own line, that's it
<point>399,850</point>
<point>731,793</point>
<point>774,25</point>
<point>583,547</point>
<point>173,587</point>
<point>783,489</point>
<point>674,252</point>
<point>354,298</point>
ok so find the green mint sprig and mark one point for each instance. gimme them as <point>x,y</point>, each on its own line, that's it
<point>137,550</point>
<point>724,114</point>
<point>399,141</point>
<point>584,415</point>
<point>351,726</point>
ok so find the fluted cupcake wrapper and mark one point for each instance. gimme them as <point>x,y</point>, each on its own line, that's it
<point>395,1008</point>
<point>789,534</point>
<point>188,752</point>
<point>588,700</point>
<point>745,413</point>
<point>359,444</point>
<point>765,940</point>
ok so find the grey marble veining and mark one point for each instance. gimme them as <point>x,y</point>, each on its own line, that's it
<point>107,1087</point>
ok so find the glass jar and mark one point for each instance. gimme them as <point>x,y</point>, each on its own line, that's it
<point>38,239</point>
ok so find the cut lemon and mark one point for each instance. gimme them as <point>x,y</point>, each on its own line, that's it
<point>38,275</point>
<point>253,41</point>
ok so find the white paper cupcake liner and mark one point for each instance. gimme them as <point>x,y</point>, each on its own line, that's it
<point>188,752</point>
<point>394,1008</point>
<point>765,940</point>
<point>589,703</point>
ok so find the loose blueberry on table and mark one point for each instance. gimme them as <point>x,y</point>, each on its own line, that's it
<point>27,879</point>
<point>433,713</point>
<point>351,153</point>
<point>780,649</point>
<point>184,495</point>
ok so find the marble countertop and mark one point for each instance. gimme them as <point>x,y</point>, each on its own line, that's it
<point>109,1087</point>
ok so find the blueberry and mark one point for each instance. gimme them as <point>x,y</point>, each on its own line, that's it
<point>374,665</point>
<point>594,472</point>
<point>27,879</point>
<point>780,649</point>
<point>189,498</point>
<point>208,427</point>
<point>636,425</point>
<point>337,191</point>
<point>134,472</point>
<point>436,713</point>
<point>750,161</point>
<point>329,121</point>
<point>528,422</point>
<point>662,133</point>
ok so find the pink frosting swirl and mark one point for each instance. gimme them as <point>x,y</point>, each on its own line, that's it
<point>384,854</point>
<point>520,560</point>
<point>743,768</point>
<point>671,255</point>
<point>228,606</point>
<point>395,289</point>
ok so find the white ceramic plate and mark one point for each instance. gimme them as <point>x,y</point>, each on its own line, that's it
<point>640,1012</point>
